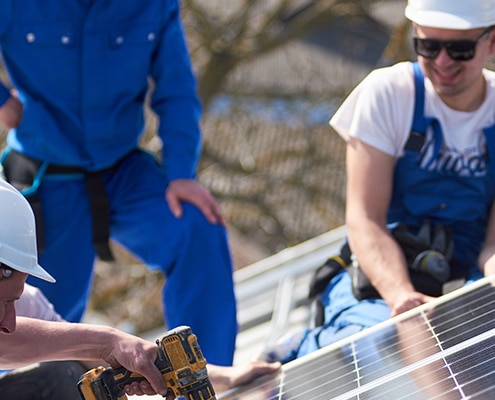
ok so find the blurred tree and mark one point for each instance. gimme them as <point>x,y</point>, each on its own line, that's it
<point>222,34</point>
<point>270,74</point>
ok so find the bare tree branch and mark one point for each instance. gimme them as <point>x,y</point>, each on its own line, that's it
<point>252,29</point>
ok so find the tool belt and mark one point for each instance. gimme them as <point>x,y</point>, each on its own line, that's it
<point>26,175</point>
<point>427,253</point>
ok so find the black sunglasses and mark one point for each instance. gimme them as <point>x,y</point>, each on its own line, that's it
<point>458,50</point>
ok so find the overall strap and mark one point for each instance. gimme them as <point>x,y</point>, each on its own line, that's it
<point>420,123</point>
<point>490,147</point>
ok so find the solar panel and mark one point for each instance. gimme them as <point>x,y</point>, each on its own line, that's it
<point>441,350</point>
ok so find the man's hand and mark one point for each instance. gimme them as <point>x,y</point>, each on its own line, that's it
<point>225,378</point>
<point>189,190</point>
<point>138,355</point>
<point>11,113</point>
<point>490,269</point>
<point>407,301</point>
<point>142,388</point>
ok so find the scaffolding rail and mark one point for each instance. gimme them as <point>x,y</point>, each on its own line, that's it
<point>272,294</point>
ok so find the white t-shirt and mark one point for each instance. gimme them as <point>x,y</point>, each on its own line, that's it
<point>379,111</point>
<point>34,304</point>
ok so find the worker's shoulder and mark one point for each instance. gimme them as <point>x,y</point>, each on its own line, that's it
<point>392,78</point>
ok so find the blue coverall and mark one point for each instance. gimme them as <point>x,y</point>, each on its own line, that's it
<point>418,194</point>
<point>82,71</point>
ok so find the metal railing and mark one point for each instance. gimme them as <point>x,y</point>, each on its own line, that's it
<point>272,293</point>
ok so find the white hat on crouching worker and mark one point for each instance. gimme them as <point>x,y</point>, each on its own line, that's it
<point>452,14</point>
<point>18,248</point>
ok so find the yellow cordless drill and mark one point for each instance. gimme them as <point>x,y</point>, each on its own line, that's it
<point>180,361</point>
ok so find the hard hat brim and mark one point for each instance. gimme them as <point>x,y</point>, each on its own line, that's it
<point>39,272</point>
<point>36,270</point>
<point>441,20</point>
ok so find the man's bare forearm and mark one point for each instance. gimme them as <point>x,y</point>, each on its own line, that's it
<point>35,340</point>
<point>381,259</point>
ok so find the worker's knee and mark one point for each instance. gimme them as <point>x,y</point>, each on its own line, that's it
<point>198,226</point>
<point>45,381</point>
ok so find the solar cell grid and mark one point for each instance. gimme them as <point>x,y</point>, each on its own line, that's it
<point>441,350</point>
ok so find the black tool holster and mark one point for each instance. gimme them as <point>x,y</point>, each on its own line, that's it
<point>427,252</point>
<point>322,277</point>
<point>26,174</point>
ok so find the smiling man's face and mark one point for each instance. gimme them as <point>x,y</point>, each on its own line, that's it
<point>456,80</point>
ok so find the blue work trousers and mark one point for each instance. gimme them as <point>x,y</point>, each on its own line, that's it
<point>192,253</point>
<point>344,316</point>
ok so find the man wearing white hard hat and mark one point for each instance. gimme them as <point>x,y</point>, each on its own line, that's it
<point>421,173</point>
<point>29,339</point>
<point>26,340</point>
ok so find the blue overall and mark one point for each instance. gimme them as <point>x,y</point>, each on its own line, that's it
<point>82,70</point>
<point>460,202</point>
<point>192,253</point>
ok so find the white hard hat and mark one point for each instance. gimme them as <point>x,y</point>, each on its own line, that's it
<point>18,233</point>
<point>452,14</point>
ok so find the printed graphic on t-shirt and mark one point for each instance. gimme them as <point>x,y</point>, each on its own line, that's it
<point>471,162</point>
